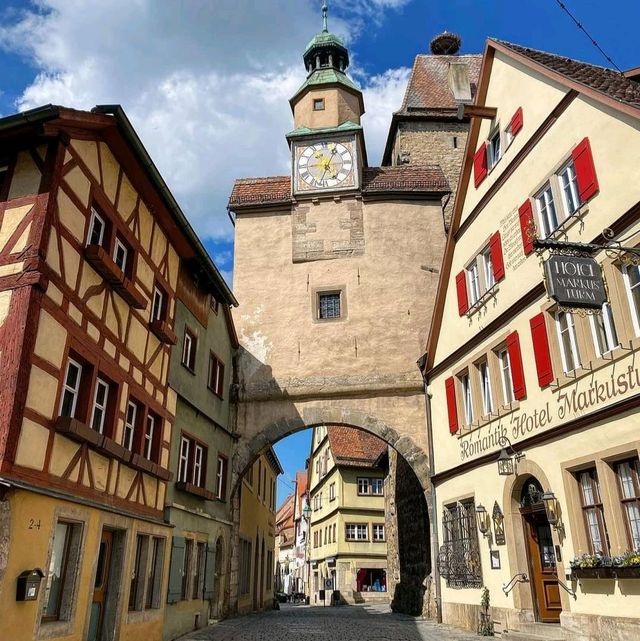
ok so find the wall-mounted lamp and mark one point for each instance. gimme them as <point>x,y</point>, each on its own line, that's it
<point>482,519</point>
<point>551,508</point>
<point>498,524</point>
<point>306,510</point>
<point>507,458</point>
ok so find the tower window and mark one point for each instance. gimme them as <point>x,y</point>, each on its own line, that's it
<point>318,104</point>
<point>329,305</point>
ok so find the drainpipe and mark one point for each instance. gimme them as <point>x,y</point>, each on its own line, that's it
<point>435,543</point>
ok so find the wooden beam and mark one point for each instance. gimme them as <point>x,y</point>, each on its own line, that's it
<point>476,111</point>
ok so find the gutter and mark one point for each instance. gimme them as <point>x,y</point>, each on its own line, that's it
<point>132,138</point>
<point>435,542</point>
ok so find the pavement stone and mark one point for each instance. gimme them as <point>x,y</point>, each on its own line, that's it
<point>346,623</point>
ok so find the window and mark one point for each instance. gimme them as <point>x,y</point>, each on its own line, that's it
<point>628,473</point>
<point>473,278</point>
<point>221,479</point>
<point>603,328</point>
<point>216,375</point>
<point>632,281</point>
<point>569,188</point>
<point>568,341</point>
<point>120,254</point>
<point>329,305</point>
<point>480,275</point>
<point>188,556</point>
<point>467,398</point>
<point>148,437</point>
<point>459,555</point>
<point>59,582</point>
<point>136,587</point>
<point>505,376</point>
<point>547,211</point>
<point>183,466</point>
<point>487,264</point>
<point>268,577</point>
<point>378,532</point>
<point>189,347</point>
<point>213,304</point>
<point>508,136</point>
<point>318,104</point>
<point>97,228</point>
<point>494,151</point>
<point>364,486</point>
<point>71,388</point>
<point>245,566</point>
<point>198,571</point>
<point>485,388</point>
<point>154,583</point>
<point>334,532</point>
<point>593,512</point>
<point>158,307</point>
<point>198,462</point>
<point>377,487</point>
<point>357,532</point>
<point>130,426</point>
<point>99,408</point>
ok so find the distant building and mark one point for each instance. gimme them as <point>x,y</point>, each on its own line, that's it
<point>285,546</point>
<point>301,527</point>
<point>347,542</point>
<point>257,533</point>
<point>197,503</point>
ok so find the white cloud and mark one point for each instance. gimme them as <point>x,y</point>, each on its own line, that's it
<point>205,84</point>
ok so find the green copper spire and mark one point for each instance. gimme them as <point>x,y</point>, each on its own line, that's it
<point>325,18</point>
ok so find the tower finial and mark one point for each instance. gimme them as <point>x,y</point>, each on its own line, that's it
<point>325,18</point>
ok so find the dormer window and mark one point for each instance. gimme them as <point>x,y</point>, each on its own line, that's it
<point>318,104</point>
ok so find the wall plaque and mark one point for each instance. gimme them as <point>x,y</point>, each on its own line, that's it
<point>575,281</point>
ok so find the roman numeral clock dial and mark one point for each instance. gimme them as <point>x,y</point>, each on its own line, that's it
<point>325,165</point>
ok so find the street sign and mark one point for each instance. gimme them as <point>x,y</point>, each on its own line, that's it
<point>575,281</point>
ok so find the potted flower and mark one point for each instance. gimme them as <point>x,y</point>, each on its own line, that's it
<point>627,566</point>
<point>592,566</point>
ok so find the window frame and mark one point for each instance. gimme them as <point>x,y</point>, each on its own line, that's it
<point>130,426</point>
<point>374,537</point>
<point>357,530</point>
<point>221,477</point>
<point>596,507</point>
<point>315,103</point>
<point>184,458</point>
<point>188,360</point>
<point>608,329</point>
<point>629,288</point>
<point>325,293</point>
<point>364,482</point>
<point>217,386</point>
<point>119,244</point>
<point>66,388</point>
<point>374,482</point>
<point>100,217</point>
<point>95,406</point>
<point>508,395</point>
<point>634,465</point>
<point>494,141</point>
<point>158,313</point>
<point>466,385</point>
<point>64,571</point>
<point>486,391</point>
<point>573,342</point>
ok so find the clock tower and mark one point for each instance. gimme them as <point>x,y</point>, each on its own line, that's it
<point>327,144</point>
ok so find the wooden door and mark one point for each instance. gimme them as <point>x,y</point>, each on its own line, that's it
<point>543,570</point>
<point>99,601</point>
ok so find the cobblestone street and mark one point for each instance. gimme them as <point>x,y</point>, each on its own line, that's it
<point>355,623</point>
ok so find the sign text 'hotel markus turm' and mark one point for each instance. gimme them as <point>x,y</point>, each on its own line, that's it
<point>574,281</point>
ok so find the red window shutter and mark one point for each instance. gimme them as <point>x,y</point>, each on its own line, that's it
<point>517,122</point>
<point>517,371</point>
<point>526,225</point>
<point>452,409</point>
<point>461,288</point>
<point>495,247</point>
<point>585,170</point>
<point>541,350</point>
<point>480,167</point>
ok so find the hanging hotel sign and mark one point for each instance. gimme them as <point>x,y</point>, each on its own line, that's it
<point>575,281</point>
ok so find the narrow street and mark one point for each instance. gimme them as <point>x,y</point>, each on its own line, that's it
<point>347,623</point>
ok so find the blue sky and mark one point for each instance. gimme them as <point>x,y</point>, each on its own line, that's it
<point>206,84</point>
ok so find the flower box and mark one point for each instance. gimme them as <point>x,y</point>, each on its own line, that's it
<point>197,490</point>
<point>627,572</point>
<point>144,464</point>
<point>78,431</point>
<point>162,330</point>
<point>113,448</point>
<point>593,573</point>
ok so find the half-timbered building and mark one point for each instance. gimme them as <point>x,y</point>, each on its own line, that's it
<point>91,243</point>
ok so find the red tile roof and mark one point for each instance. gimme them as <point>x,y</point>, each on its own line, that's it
<point>301,483</point>
<point>354,447</point>
<point>284,515</point>
<point>261,191</point>
<point>606,81</point>
<point>276,190</point>
<point>428,87</point>
<point>405,178</point>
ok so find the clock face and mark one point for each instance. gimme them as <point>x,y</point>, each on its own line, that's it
<point>325,165</point>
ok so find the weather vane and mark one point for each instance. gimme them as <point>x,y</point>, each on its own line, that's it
<point>325,18</point>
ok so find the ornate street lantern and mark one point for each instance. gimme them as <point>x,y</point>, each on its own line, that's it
<point>306,510</point>
<point>481,518</point>
<point>551,508</point>
<point>505,463</point>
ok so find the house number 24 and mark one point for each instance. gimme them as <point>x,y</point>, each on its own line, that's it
<point>33,524</point>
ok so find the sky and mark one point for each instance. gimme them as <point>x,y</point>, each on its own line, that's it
<point>206,83</point>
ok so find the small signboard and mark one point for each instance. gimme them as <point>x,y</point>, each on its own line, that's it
<point>575,281</point>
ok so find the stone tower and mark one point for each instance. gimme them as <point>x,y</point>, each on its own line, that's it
<point>335,271</point>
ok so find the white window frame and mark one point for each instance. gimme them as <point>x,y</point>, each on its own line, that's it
<point>366,484</point>
<point>505,367</point>
<point>608,329</point>
<point>99,407</point>
<point>467,398</point>
<point>494,142</point>
<point>147,440</point>
<point>569,170</point>
<point>377,483</point>
<point>186,349</point>
<point>220,472</point>
<point>129,426</point>
<point>378,532</point>
<point>95,215</point>
<point>635,311</point>
<point>158,302</point>
<point>508,137</point>
<point>485,387</point>
<point>473,279</point>
<point>198,457</point>
<point>183,465</point>
<point>544,199</point>
<point>487,266</point>
<point>332,492</point>
<point>75,392</point>
<point>120,245</point>
<point>573,342</point>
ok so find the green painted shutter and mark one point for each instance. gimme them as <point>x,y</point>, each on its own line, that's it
<point>174,591</point>
<point>210,572</point>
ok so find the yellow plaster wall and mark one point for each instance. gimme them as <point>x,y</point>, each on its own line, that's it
<point>26,178</point>
<point>51,339</point>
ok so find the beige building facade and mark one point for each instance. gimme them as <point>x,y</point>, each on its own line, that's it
<point>533,405</point>
<point>347,536</point>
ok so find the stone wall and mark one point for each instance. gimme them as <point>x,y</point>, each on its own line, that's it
<point>427,142</point>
